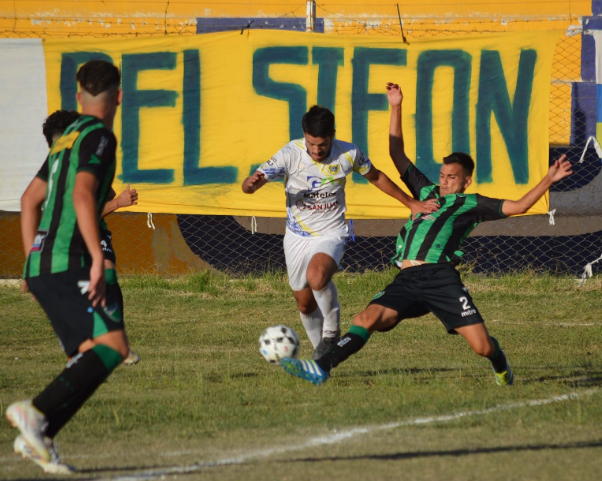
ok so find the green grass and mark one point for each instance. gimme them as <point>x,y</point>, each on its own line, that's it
<point>203,394</point>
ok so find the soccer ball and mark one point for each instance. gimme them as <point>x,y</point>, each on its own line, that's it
<point>278,342</point>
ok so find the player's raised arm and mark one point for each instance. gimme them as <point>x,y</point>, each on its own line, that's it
<point>254,182</point>
<point>558,171</point>
<point>380,180</point>
<point>396,143</point>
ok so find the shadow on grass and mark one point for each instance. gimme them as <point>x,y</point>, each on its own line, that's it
<point>579,377</point>
<point>456,452</point>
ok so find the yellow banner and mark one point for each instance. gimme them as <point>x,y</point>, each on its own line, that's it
<point>201,113</point>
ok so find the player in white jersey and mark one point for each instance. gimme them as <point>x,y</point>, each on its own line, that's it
<point>314,170</point>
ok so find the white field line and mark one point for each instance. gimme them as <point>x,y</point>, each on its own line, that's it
<point>342,436</point>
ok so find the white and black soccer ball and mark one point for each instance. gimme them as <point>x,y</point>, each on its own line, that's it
<point>278,342</point>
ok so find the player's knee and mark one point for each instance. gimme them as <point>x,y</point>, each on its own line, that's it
<point>317,280</point>
<point>307,307</point>
<point>483,348</point>
<point>366,320</point>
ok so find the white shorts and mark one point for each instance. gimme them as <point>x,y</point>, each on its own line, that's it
<point>298,251</point>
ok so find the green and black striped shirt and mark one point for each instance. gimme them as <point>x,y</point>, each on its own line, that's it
<point>86,146</point>
<point>438,237</point>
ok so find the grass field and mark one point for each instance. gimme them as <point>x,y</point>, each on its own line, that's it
<point>414,404</point>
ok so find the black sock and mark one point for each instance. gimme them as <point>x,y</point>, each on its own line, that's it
<point>63,397</point>
<point>498,359</point>
<point>349,344</point>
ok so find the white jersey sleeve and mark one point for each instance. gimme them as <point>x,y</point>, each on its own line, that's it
<point>278,166</point>
<point>361,163</point>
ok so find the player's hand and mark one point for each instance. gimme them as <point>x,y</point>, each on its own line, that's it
<point>560,169</point>
<point>251,183</point>
<point>127,197</point>
<point>25,290</point>
<point>424,207</point>
<point>97,287</point>
<point>394,94</point>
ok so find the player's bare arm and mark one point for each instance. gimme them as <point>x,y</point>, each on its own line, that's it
<point>125,199</point>
<point>31,211</point>
<point>380,180</point>
<point>396,143</point>
<point>558,171</point>
<point>254,182</point>
<point>84,203</point>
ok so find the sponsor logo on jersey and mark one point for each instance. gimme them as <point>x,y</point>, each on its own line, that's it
<point>317,206</point>
<point>318,195</point>
<point>470,312</point>
<point>38,242</point>
<point>64,142</point>
<point>316,183</point>
<point>101,145</point>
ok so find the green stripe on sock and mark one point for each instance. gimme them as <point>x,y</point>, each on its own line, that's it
<point>360,331</point>
<point>109,356</point>
<point>497,351</point>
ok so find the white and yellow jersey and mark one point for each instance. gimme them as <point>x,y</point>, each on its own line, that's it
<point>315,191</point>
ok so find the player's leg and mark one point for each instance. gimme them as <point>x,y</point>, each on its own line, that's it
<point>74,321</point>
<point>385,311</point>
<point>487,346</point>
<point>297,259</point>
<point>374,317</point>
<point>310,313</point>
<point>111,275</point>
<point>319,275</point>
<point>326,255</point>
<point>449,300</point>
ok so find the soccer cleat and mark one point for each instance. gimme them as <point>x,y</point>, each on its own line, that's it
<point>32,424</point>
<point>324,346</point>
<point>305,369</point>
<point>131,359</point>
<point>54,466</point>
<point>504,378</point>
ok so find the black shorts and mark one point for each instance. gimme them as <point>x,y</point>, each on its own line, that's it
<point>70,312</point>
<point>107,246</point>
<point>435,288</point>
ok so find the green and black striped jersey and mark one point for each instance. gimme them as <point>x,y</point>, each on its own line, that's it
<point>438,237</point>
<point>86,146</point>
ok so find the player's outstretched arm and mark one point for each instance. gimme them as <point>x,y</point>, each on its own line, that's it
<point>125,199</point>
<point>254,182</point>
<point>558,171</point>
<point>31,211</point>
<point>380,180</point>
<point>396,143</point>
<point>84,202</point>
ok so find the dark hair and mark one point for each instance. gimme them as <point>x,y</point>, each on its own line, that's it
<point>463,159</point>
<point>318,122</point>
<point>57,123</point>
<point>98,76</point>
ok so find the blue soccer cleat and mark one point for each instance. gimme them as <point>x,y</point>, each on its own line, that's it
<point>305,369</point>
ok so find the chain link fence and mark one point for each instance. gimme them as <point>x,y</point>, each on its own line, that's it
<point>561,243</point>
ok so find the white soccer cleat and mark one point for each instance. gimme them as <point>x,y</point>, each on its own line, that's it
<point>131,359</point>
<point>32,424</point>
<point>54,466</point>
